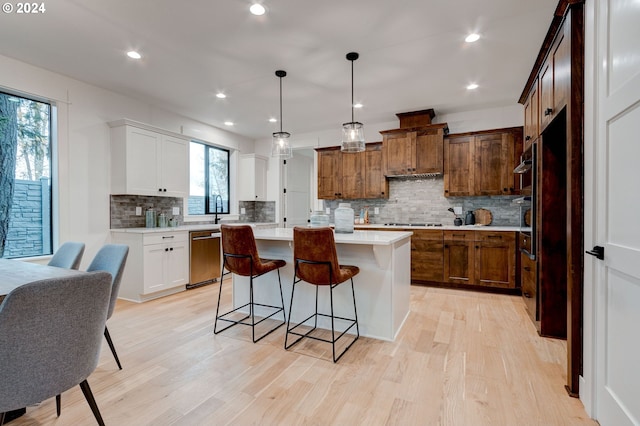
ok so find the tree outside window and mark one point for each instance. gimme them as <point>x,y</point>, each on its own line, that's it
<point>25,177</point>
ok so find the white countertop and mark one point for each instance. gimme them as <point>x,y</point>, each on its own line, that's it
<point>358,237</point>
<point>445,227</point>
<point>185,228</point>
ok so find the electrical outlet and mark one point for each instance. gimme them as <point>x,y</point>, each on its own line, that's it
<point>328,210</point>
<point>376,210</point>
<point>457,210</point>
<point>176,211</point>
<point>138,211</point>
<point>243,210</point>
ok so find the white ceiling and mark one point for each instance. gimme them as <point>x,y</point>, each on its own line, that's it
<point>412,55</point>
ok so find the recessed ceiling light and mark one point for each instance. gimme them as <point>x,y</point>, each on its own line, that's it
<point>228,123</point>
<point>273,120</point>
<point>220,95</point>
<point>472,86</point>
<point>358,105</point>
<point>133,54</point>
<point>472,37</point>
<point>257,9</point>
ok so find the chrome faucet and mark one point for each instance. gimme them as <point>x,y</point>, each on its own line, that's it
<point>216,218</point>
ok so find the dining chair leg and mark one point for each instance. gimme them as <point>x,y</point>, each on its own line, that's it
<point>88,395</point>
<point>58,404</point>
<point>113,348</point>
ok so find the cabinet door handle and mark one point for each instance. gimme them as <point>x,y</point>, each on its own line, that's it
<point>526,268</point>
<point>159,189</point>
<point>548,111</point>
<point>527,295</point>
<point>504,189</point>
<point>527,138</point>
<point>171,249</point>
<point>166,249</point>
<point>477,247</point>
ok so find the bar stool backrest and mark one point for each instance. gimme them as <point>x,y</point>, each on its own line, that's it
<point>238,240</point>
<point>316,245</point>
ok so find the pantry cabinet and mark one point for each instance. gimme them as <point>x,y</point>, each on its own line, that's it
<point>148,161</point>
<point>482,163</point>
<point>158,263</point>
<point>531,117</point>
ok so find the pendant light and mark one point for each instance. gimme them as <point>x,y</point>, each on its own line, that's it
<point>280,146</point>
<point>352,133</point>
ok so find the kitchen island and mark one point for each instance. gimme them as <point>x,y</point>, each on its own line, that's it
<point>382,287</point>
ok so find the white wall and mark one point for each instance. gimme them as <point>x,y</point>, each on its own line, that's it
<point>458,122</point>
<point>83,144</point>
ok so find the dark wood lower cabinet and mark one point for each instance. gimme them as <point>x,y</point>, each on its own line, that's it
<point>427,258</point>
<point>529,287</point>
<point>495,255</point>
<point>459,262</point>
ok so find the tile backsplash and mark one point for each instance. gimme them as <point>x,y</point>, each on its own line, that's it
<point>123,209</point>
<point>422,200</point>
<point>257,211</point>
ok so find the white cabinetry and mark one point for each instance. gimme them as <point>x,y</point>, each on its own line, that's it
<point>252,178</point>
<point>148,161</point>
<point>158,264</point>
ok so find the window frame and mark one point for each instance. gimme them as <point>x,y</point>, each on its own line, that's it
<point>48,241</point>
<point>207,196</point>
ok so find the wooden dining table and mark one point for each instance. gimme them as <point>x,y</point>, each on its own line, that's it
<point>15,273</point>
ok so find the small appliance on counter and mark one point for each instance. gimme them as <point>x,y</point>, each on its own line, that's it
<point>470,218</point>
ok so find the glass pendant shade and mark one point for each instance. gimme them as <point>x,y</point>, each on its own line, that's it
<point>352,137</point>
<point>280,146</point>
<point>352,132</point>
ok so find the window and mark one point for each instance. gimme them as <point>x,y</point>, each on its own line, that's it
<point>209,179</point>
<point>25,177</point>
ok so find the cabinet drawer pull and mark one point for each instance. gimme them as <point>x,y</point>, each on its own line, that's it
<point>494,236</point>
<point>527,138</point>
<point>526,268</point>
<point>548,111</point>
<point>168,237</point>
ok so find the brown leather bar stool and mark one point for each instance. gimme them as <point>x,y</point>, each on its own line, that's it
<point>316,262</point>
<point>240,256</point>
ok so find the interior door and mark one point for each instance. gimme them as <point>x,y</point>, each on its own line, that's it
<point>298,188</point>
<point>615,205</point>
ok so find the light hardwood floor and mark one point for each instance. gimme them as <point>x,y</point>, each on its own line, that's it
<point>462,358</point>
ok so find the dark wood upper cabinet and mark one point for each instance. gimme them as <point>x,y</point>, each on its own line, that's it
<point>348,176</point>
<point>414,150</point>
<point>375,184</point>
<point>482,163</point>
<point>329,173</point>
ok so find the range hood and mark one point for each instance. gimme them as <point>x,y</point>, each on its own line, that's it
<point>413,126</point>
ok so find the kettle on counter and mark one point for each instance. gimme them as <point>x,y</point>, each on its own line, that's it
<point>470,218</point>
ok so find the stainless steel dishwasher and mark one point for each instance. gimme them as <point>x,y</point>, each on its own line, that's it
<point>204,257</point>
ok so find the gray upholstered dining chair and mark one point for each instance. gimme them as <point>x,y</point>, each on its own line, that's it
<point>50,334</point>
<point>111,258</point>
<point>68,255</point>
